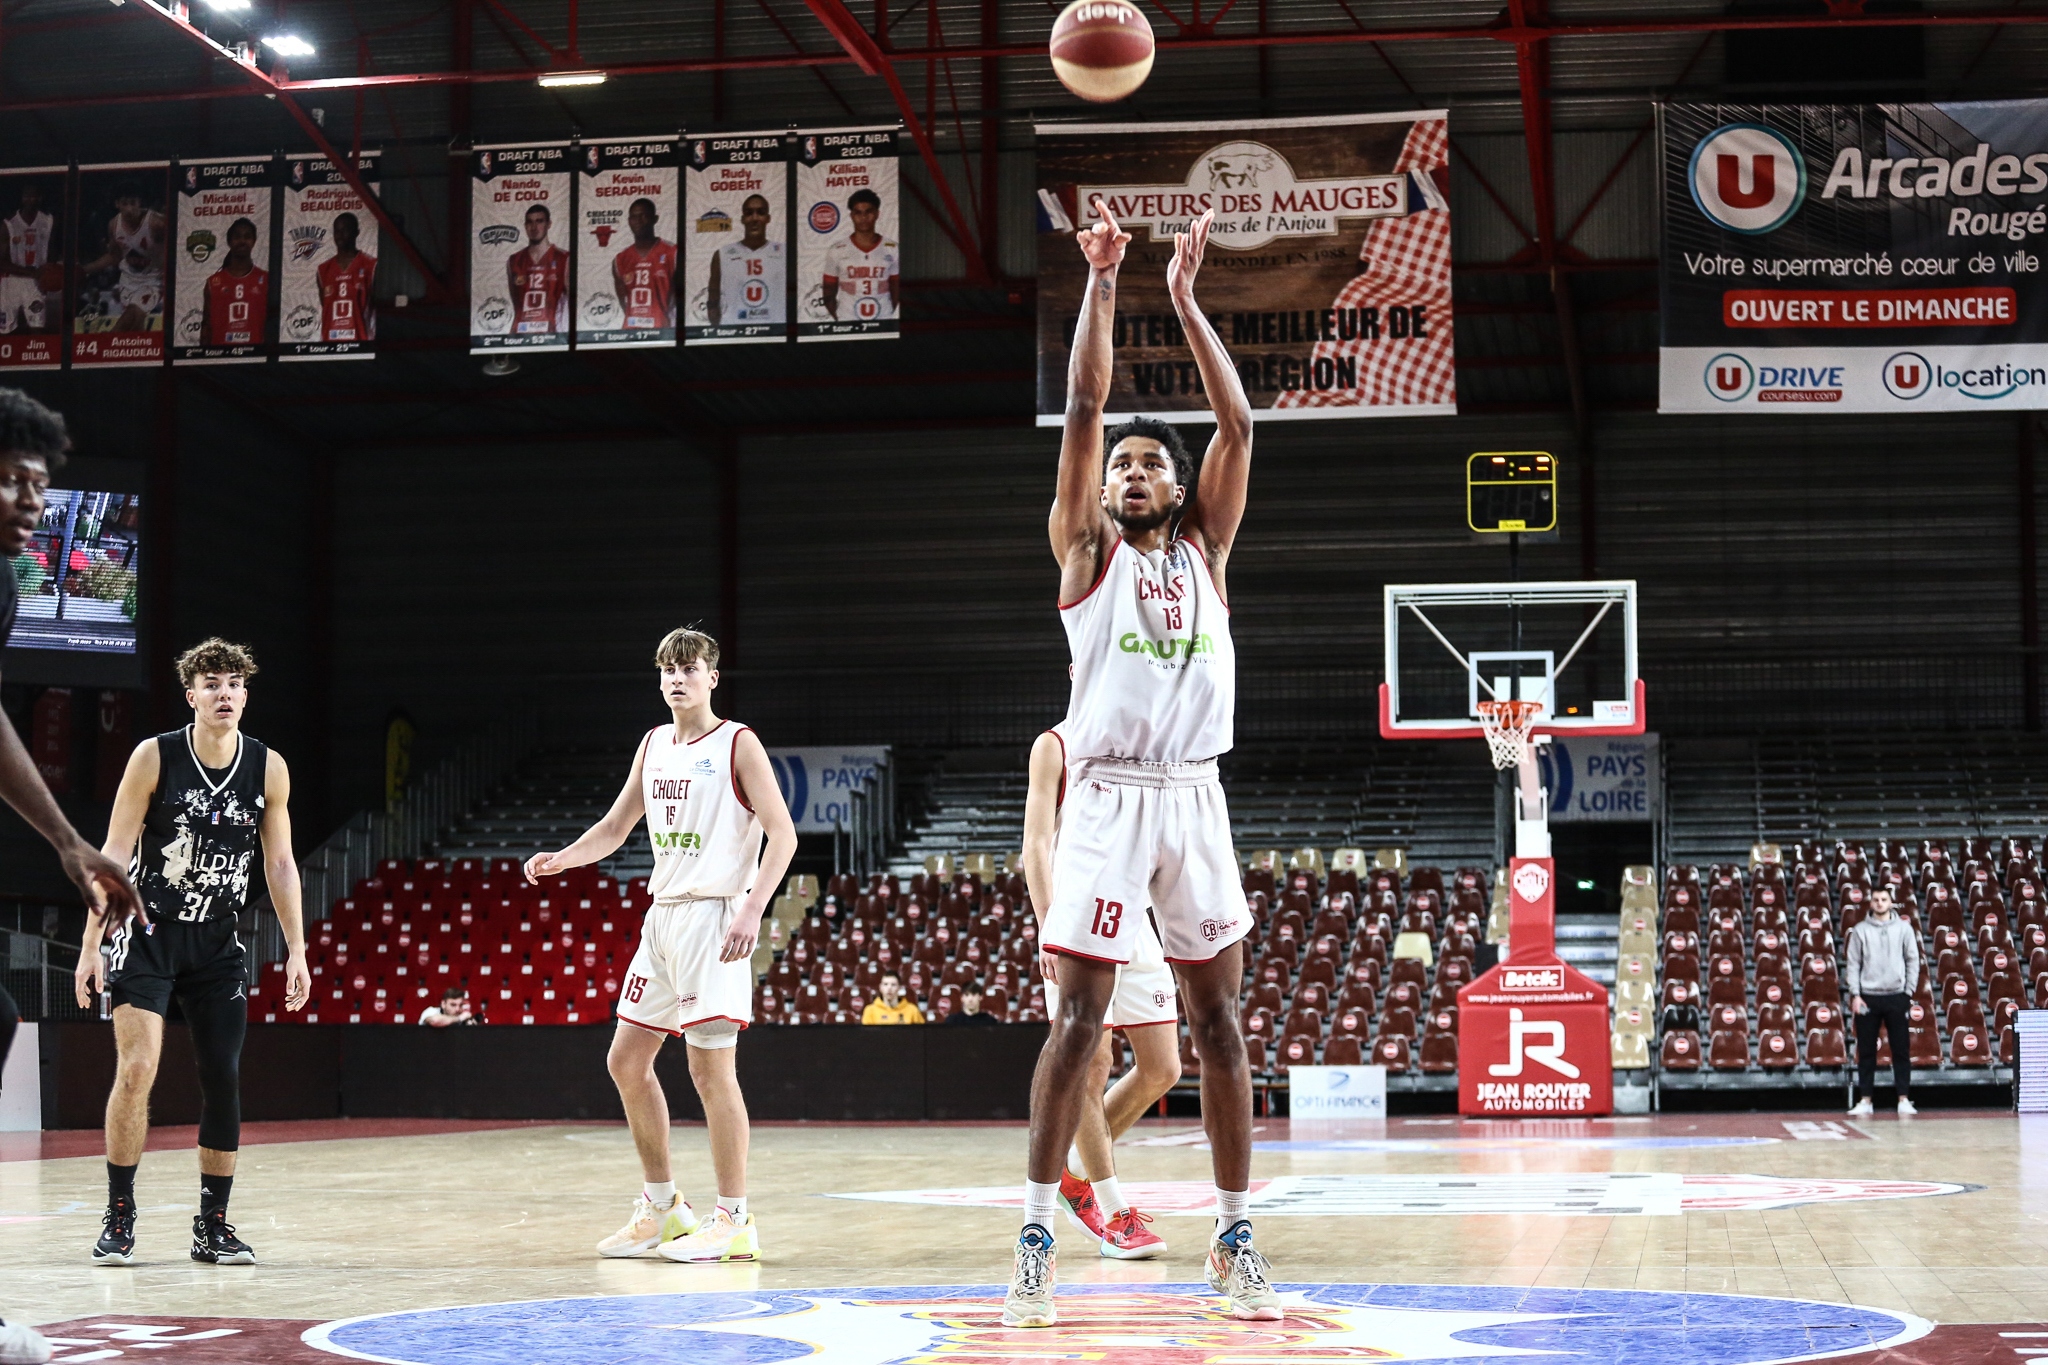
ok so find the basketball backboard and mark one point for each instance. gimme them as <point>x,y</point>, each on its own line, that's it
<point>1568,645</point>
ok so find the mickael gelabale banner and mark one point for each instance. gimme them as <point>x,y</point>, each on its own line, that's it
<point>1855,257</point>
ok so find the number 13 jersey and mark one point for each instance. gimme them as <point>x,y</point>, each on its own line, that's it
<point>1155,671</point>
<point>707,839</point>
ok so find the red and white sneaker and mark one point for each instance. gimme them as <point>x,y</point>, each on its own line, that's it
<point>1126,1238</point>
<point>1077,1197</point>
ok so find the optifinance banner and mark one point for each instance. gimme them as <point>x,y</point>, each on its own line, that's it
<point>1328,273</point>
<point>328,281</point>
<point>818,782</point>
<point>520,229</point>
<point>1854,257</point>
<point>222,277</point>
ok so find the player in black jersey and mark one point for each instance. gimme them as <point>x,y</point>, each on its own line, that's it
<point>201,801</point>
<point>32,444</point>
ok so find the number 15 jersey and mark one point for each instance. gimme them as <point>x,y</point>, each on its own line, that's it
<point>706,838</point>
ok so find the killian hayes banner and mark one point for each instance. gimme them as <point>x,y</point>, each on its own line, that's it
<point>737,245</point>
<point>848,284</point>
<point>626,226</point>
<point>1854,257</point>
<point>221,262</point>
<point>1329,268</point>
<point>520,228</point>
<point>328,278</point>
<point>121,245</point>
<point>35,201</point>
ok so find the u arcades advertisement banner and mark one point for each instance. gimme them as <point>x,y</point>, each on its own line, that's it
<point>122,248</point>
<point>520,229</point>
<point>328,280</point>
<point>626,225</point>
<point>221,284</point>
<point>1854,257</point>
<point>848,208</point>
<point>35,200</point>
<point>1328,274</point>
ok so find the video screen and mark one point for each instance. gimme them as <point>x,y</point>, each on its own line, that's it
<point>77,577</point>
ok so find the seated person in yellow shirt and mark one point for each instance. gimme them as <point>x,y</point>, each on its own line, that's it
<point>891,1007</point>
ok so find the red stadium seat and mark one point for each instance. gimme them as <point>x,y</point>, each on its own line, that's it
<point>1729,1051</point>
<point>1342,1050</point>
<point>1680,1051</point>
<point>1392,1051</point>
<point>1776,1049</point>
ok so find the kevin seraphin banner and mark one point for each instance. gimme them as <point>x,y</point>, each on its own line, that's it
<point>1854,257</point>
<point>1329,266</point>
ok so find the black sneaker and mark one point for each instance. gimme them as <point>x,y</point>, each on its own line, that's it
<point>117,1237</point>
<point>214,1241</point>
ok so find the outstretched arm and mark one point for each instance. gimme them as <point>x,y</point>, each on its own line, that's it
<point>1078,527</point>
<point>1220,493</point>
<point>602,839</point>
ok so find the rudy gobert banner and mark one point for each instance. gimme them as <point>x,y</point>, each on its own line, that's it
<point>1329,266</point>
<point>1854,257</point>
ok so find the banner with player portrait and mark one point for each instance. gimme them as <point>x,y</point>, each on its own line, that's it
<point>847,283</point>
<point>1328,272</point>
<point>519,234</point>
<point>327,304</point>
<point>121,240</point>
<point>220,278</point>
<point>736,259</point>
<point>34,200</point>
<point>625,244</point>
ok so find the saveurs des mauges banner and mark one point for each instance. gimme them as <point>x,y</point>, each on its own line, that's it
<point>1855,257</point>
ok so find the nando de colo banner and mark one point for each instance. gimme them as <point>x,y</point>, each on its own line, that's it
<point>1328,274</point>
<point>1854,257</point>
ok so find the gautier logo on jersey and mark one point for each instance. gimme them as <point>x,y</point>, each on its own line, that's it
<point>1747,178</point>
<point>1255,195</point>
<point>1170,648</point>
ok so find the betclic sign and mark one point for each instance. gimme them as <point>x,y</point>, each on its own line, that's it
<point>1855,257</point>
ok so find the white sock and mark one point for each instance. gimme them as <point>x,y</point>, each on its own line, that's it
<point>1075,1166</point>
<point>735,1206</point>
<point>1230,1208</point>
<point>1039,1203</point>
<point>1110,1196</point>
<point>662,1196</point>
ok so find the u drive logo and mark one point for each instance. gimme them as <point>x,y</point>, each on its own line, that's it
<point>1550,1054</point>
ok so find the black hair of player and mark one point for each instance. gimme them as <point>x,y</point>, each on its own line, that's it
<point>543,210</point>
<point>29,428</point>
<point>864,197</point>
<point>128,189</point>
<point>1166,434</point>
<point>240,225</point>
<point>653,209</point>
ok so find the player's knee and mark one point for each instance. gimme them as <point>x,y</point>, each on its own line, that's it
<point>1159,1074</point>
<point>136,1072</point>
<point>715,1035</point>
<point>629,1069</point>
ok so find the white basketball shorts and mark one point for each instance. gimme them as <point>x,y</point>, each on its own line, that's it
<point>1139,834</point>
<point>676,981</point>
<point>1145,991</point>
<point>142,292</point>
<point>23,305</point>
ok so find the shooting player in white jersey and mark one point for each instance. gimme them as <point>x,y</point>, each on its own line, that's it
<point>1142,553</point>
<point>708,793</point>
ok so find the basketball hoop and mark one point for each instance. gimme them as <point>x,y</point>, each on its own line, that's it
<point>1506,724</point>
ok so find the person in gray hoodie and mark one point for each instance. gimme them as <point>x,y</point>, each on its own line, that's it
<point>1884,967</point>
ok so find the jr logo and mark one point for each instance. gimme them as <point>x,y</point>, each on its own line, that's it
<point>1550,1054</point>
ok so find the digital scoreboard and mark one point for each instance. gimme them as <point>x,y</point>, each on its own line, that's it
<point>1511,490</point>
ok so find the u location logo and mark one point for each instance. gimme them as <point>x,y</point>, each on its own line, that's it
<point>1908,375</point>
<point>1747,178</point>
<point>1729,377</point>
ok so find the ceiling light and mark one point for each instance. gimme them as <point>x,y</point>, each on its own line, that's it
<point>555,80</point>
<point>227,4</point>
<point>288,45</point>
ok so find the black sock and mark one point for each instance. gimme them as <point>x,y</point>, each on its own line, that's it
<point>120,1183</point>
<point>213,1193</point>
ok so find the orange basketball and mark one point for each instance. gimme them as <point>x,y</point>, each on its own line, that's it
<point>50,278</point>
<point>1101,49</point>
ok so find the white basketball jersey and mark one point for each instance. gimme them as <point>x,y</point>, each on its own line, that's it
<point>140,240</point>
<point>863,278</point>
<point>750,282</point>
<point>1155,672</point>
<point>28,244</point>
<point>707,839</point>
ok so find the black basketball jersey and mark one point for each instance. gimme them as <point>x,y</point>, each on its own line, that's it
<point>200,838</point>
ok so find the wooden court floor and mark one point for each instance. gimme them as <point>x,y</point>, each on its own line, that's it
<point>1930,1229</point>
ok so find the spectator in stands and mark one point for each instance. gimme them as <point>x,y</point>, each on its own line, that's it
<point>969,1010</point>
<point>1884,967</point>
<point>453,1009</point>
<point>890,1007</point>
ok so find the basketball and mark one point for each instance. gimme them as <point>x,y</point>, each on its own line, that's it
<point>1102,49</point>
<point>50,278</point>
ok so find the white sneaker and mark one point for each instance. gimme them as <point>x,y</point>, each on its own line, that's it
<point>1862,1109</point>
<point>717,1238</point>
<point>1029,1302</point>
<point>1239,1274</point>
<point>21,1344</point>
<point>649,1227</point>
<point>1907,1108</point>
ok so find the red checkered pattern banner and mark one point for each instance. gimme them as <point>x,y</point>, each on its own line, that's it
<point>1328,273</point>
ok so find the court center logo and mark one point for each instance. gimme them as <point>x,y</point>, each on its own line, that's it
<point>1908,375</point>
<point>1729,377</point>
<point>1747,178</point>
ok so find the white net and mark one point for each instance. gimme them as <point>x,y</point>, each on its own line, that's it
<point>1506,724</point>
